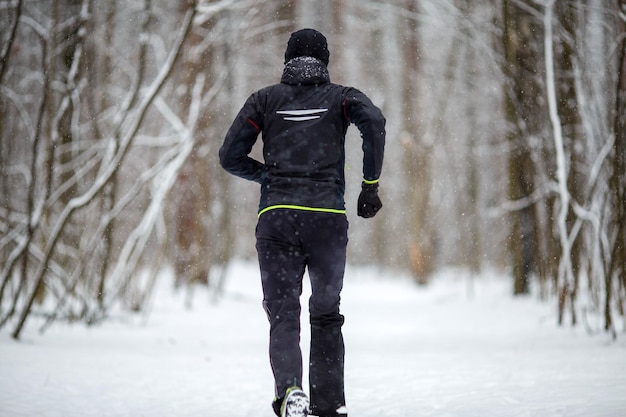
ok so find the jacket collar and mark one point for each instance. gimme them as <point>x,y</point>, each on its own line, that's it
<point>305,70</point>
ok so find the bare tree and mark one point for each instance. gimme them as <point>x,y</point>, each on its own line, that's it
<point>522,91</point>
<point>567,274</point>
<point>616,268</point>
<point>421,237</point>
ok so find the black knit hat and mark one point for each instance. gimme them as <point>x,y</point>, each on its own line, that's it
<point>307,42</point>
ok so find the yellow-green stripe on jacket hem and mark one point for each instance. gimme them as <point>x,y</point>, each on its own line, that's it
<point>287,206</point>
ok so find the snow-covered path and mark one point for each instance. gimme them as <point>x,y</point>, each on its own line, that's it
<point>410,352</point>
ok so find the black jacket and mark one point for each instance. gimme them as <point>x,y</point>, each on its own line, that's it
<point>303,121</point>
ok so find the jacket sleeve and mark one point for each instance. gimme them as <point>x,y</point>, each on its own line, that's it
<point>370,121</point>
<point>239,141</point>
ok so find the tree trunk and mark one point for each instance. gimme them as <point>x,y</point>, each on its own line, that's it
<point>522,89</point>
<point>416,154</point>
<point>617,267</point>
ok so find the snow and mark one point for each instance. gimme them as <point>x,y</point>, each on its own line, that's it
<point>448,350</point>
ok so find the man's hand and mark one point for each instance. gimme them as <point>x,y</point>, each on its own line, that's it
<point>369,203</point>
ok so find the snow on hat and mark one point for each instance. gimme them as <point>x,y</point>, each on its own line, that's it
<point>307,42</point>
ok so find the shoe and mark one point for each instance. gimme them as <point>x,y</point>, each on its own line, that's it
<point>295,404</point>
<point>342,411</point>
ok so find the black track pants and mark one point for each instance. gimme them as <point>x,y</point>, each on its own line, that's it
<point>288,241</point>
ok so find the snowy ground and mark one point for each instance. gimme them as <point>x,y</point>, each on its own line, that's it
<point>411,351</point>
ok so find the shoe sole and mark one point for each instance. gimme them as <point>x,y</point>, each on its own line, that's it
<point>296,404</point>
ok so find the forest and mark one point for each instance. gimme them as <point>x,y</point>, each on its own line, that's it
<point>506,145</point>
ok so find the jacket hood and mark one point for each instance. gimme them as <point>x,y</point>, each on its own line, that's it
<point>305,70</point>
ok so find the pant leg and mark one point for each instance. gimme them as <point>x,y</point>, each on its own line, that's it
<point>326,250</point>
<point>282,264</point>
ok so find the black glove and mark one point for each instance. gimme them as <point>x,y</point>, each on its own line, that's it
<point>369,203</point>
